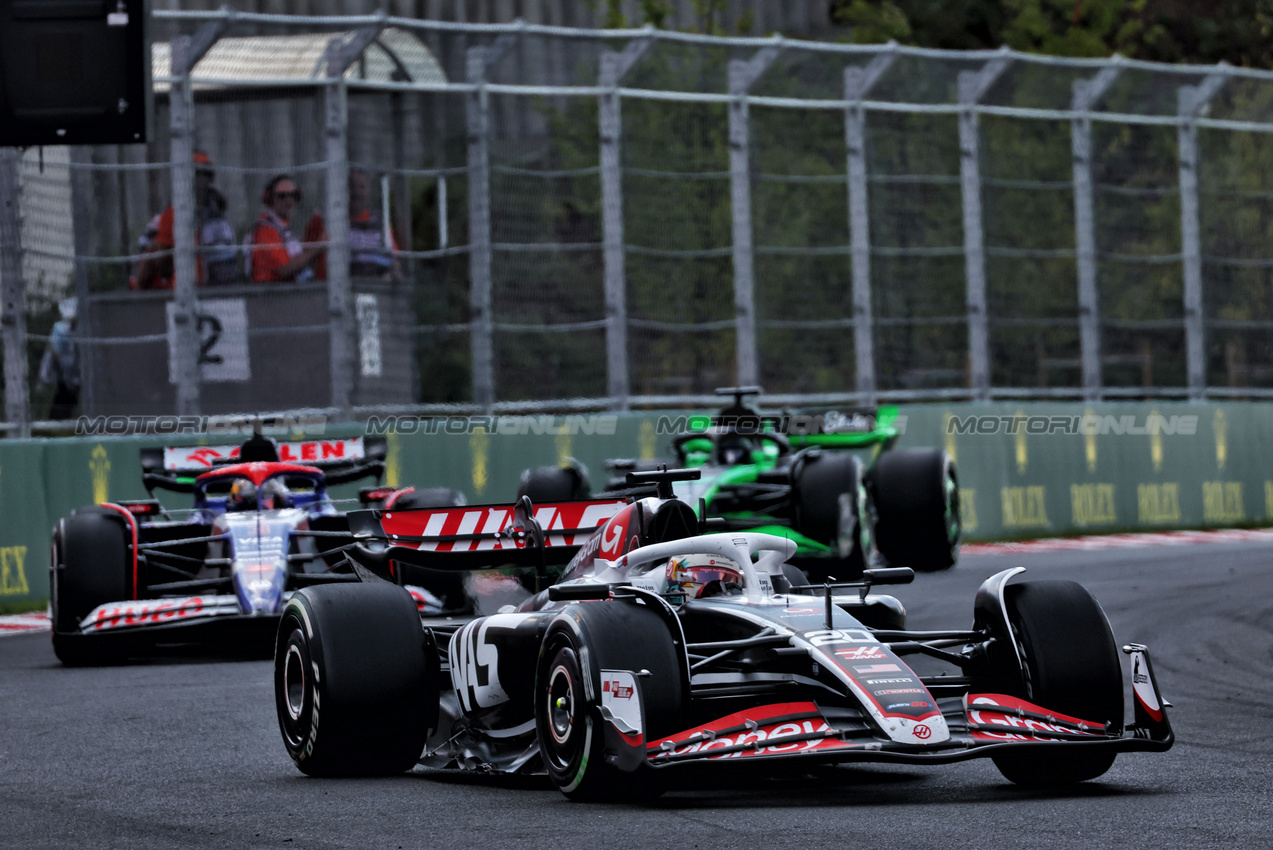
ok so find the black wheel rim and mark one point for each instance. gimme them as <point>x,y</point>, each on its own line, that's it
<point>561,704</point>
<point>564,734</point>
<point>294,681</point>
<point>294,689</point>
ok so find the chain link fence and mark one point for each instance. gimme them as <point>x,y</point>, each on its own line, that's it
<point>622,218</point>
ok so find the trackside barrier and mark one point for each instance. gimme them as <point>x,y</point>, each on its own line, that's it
<point>1025,470</point>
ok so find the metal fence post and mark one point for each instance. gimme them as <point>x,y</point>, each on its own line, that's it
<point>81,200</point>
<point>613,68</point>
<point>185,299</point>
<point>743,73</point>
<point>857,84</point>
<point>973,86</point>
<point>1192,101</point>
<point>186,53</point>
<point>478,117</point>
<point>341,53</point>
<point>1086,95</point>
<point>481,327</point>
<point>14,317</point>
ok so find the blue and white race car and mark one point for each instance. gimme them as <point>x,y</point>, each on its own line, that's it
<point>132,576</point>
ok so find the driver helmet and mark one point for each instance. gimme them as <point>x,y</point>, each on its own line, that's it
<point>243,496</point>
<point>703,576</point>
<point>275,495</point>
<point>734,449</point>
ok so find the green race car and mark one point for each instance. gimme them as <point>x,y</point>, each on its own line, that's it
<point>833,483</point>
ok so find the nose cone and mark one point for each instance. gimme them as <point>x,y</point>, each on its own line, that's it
<point>260,586</point>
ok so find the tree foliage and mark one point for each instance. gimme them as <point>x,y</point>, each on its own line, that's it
<point>678,212</point>
<point>1198,31</point>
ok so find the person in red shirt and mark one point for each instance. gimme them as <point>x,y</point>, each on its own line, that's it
<point>274,254</point>
<point>214,238</point>
<point>370,254</point>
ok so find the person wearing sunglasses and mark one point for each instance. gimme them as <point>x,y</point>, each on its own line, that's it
<point>273,253</point>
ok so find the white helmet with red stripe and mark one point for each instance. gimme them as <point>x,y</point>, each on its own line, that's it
<point>701,576</point>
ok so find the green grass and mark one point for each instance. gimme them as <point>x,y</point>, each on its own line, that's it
<point>24,606</point>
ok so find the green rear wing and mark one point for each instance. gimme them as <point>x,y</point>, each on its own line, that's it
<point>884,432</point>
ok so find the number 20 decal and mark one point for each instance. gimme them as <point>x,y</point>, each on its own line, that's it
<point>823,637</point>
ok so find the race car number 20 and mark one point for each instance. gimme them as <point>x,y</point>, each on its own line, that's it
<point>823,637</point>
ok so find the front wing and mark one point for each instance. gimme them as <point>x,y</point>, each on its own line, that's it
<point>214,619</point>
<point>980,725</point>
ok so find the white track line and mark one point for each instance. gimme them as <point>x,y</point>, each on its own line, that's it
<point>16,624</point>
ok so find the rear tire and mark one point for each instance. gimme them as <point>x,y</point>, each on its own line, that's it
<point>832,507</point>
<point>1071,667</point>
<point>355,680</point>
<point>90,565</point>
<point>548,485</point>
<point>586,639</point>
<point>917,509</point>
<point>429,497</point>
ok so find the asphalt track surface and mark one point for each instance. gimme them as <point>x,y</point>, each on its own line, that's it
<point>186,753</point>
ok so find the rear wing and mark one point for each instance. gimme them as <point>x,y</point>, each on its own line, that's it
<point>342,460</point>
<point>880,426</point>
<point>477,537</point>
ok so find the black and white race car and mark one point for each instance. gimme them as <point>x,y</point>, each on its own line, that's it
<point>662,646</point>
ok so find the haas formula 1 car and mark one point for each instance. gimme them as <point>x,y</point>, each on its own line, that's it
<point>662,646</point>
<point>128,576</point>
<point>834,484</point>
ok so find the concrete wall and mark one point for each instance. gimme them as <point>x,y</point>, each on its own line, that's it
<point>1026,470</point>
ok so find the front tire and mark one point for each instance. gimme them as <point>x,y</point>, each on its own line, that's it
<point>832,507</point>
<point>355,680</point>
<point>90,562</point>
<point>584,754</point>
<point>1072,667</point>
<point>918,522</point>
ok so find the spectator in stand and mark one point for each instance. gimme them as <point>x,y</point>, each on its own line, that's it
<point>214,238</point>
<point>373,251</point>
<point>273,253</point>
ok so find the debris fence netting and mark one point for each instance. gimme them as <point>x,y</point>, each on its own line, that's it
<point>525,217</point>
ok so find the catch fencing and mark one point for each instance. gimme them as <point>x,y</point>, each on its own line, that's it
<point>610,219</point>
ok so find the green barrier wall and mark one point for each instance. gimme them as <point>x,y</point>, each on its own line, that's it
<point>1025,470</point>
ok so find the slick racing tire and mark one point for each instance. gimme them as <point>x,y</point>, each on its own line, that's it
<point>917,520</point>
<point>89,567</point>
<point>429,497</point>
<point>355,680</point>
<point>1071,667</point>
<point>584,753</point>
<point>547,485</point>
<point>832,506</point>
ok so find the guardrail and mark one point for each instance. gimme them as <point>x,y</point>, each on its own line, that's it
<point>1028,470</point>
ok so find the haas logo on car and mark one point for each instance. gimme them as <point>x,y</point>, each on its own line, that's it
<point>613,537</point>
<point>616,689</point>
